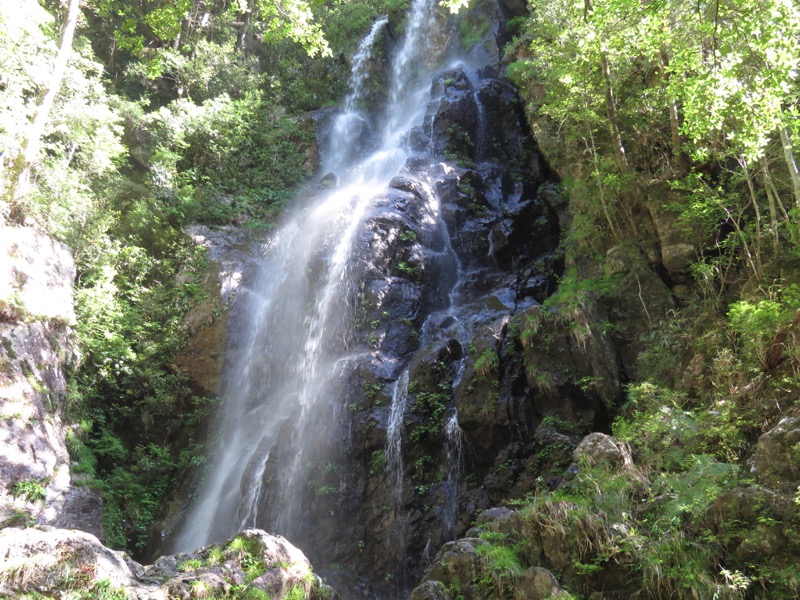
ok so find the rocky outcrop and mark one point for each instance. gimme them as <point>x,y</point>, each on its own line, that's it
<point>776,461</point>
<point>599,448</point>
<point>489,566</point>
<point>231,253</point>
<point>36,348</point>
<point>54,562</point>
<point>449,269</point>
<point>514,553</point>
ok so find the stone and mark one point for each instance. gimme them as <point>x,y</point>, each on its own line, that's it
<point>32,559</point>
<point>457,561</point>
<point>429,590</point>
<point>617,260</point>
<point>537,583</point>
<point>37,345</point>
<point>36,275</point>
<point>776,461</point>
<point>597,448</point>
<point>53,561</point>
<point>82,509</point>
<point>490,519</point>
<point>678,257</point>
<point>764,522</point>
<point>232,254</point>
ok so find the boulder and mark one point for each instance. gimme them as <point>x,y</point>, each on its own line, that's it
<point>776,461</point>
<point>457,564</point>
<point>599,448</point>
<point>537,583</point>
<point>678,257</point>
<point>44,560</point>
<point>429,590</point>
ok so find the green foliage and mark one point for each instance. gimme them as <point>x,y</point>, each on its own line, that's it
<point>82,457</point>
<point>31,490</point>
<point>408,270</point>
<point>432,407</point>
<point>247,553</point>
<point>202,151</point>
<point>472,30</point>
<point>371,390</point>
<point>501,564</point>
<point>487,363</point>
<point>758,322</point>
<point>296,593</point>
<point>190,565</point>
<point>377,462</point>
<point>618,91</point>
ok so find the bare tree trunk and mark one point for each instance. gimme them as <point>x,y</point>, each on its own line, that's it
<point>674,119</point>
<point>773,206</point>
<point>788,154</point>
<point>611,114</point>
<point>33,140</point>
<point>610,102</point>
<point>244,32</point>
<point>755,264</point>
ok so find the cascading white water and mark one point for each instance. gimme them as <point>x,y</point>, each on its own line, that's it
<point>454,446</point>
<point>348,126</point>
<point>360,65</point>
<point>394,435</point>
<point>406,99</point>
<point>298,331</point>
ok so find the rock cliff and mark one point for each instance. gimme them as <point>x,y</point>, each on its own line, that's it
<point>38,346</point>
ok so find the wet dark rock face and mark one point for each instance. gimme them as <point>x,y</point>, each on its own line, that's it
<point>451,260</point>
<point>436,410</point>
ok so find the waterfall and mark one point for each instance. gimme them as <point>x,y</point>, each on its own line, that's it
<point>454,448</point>
<point>359,70</point>
<point>299,307</point>
<point>394,435</point>
<point>343,141</point>
<point>405,103</point>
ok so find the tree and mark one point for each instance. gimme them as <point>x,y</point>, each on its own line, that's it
<point>726,95</point>
<point>32,142</point>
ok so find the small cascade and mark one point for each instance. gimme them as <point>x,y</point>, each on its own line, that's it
<point>408,69</point>
<point>480,143</point>
<point>481,129</point>
<point>394,436</point>
<point>454,446</point>
<point>349,125</point>
<point>360,66</point>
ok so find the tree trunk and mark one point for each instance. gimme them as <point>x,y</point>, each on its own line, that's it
<point>773,206</point>
<point>610,102</point>
<point>611,114</point>
<point>788,155</point>
<point>755,262</point>
<point>674,119</point>
<point>33,140</point>
<point>246,20</point>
